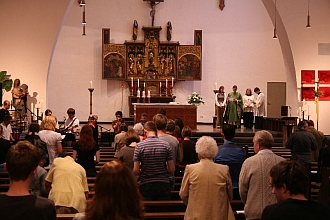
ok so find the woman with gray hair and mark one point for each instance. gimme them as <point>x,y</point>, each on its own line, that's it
<point>138,127</point>
<point>209,183</point>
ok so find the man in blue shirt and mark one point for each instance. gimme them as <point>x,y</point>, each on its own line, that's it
<point>232,155</point>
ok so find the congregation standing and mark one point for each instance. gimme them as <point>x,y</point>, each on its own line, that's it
<point>152,151</point>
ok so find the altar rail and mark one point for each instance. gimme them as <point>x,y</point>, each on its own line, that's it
<point>188,113</point>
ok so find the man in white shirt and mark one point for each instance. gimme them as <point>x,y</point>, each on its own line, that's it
<point>71,123</point>
<point>259,108</point>
<point>7,131</point>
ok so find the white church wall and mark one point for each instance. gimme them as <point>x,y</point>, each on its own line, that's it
<point>236,47</point>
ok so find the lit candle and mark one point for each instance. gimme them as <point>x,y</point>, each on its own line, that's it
<point>148,93</point>
<point>160,87</point>
<point>172,81</point>
<point>91,84</point>
<point>138,93</point>
<point>307,110</point>
<point>143,94</point>
<point>132,82</point>
<point>138,83</point>
<point>41,104</point>
<point>166,84</point>
<point>216,86</point>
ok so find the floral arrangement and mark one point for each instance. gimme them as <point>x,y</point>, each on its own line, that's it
<point>195,99</point>
<point>317,93</point>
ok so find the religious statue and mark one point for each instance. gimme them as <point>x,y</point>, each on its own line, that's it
<point>135,29</point>
<point>131,64</point>
<point>139,62</point>
<point>20,96</point>
<point>170,64</point>
<point>151,57</point>
<point>162,64</point>
<point>169,31</point>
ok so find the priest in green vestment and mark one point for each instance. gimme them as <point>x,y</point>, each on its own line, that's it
<point>234,107</point>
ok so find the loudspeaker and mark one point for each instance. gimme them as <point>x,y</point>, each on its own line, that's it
<point>284,111</point>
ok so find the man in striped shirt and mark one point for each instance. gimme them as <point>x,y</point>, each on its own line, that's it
<point>153,161</point>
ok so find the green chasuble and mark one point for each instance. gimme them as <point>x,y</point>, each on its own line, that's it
<point>234,109</point>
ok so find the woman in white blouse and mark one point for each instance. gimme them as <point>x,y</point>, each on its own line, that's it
<point>220,102</point>
<point>248,105</point>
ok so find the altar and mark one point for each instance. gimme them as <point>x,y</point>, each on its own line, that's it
<point>188,113</point>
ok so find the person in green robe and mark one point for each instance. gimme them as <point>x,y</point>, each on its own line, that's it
<point>234,107</point>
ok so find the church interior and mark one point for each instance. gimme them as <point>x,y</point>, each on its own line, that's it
<point>43,45</point>
<point>100,57</point>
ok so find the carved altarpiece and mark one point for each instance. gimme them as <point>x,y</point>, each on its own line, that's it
<point>151,66</point>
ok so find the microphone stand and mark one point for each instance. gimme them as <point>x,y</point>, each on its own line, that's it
<point>108,130</point>
<point>33,114</point>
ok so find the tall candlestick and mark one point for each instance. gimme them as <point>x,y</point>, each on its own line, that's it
<point>172,81</point>
<point>138,83</point>
<point>148,93</point>
<point>91,84</point>
<point>166,84</point>
<point>143,94</point>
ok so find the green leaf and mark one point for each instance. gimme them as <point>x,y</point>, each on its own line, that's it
<point>7,84</point>
<point>3,75</point>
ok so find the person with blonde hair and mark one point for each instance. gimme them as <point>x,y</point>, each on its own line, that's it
<point>51,138</point>
<point>116,195</point>
<point>209,183</point>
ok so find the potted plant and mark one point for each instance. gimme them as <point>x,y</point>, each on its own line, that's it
<point>5,83</point>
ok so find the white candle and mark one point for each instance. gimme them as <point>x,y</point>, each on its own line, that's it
<point>216,86</point>
<point>160,87</point>
<point>35,114</point>
<point>143,94</point>
<point>132,82</point>
<point>307,110</point>
<point>148,93</point>
<point>91,84</point>
<point>41,104</point>
<point>172,81</point>
<point>166,83</point>
<point>138,93</point>
<point>138,83</point>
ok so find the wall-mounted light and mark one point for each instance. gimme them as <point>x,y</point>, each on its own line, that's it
<point>82,4</point>
<point>275,30</point>
<point>308,17</point>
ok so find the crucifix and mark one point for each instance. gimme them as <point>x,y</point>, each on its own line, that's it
<point>153,4</point>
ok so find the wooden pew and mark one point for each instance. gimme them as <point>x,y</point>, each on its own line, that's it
<point>148,215</point>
